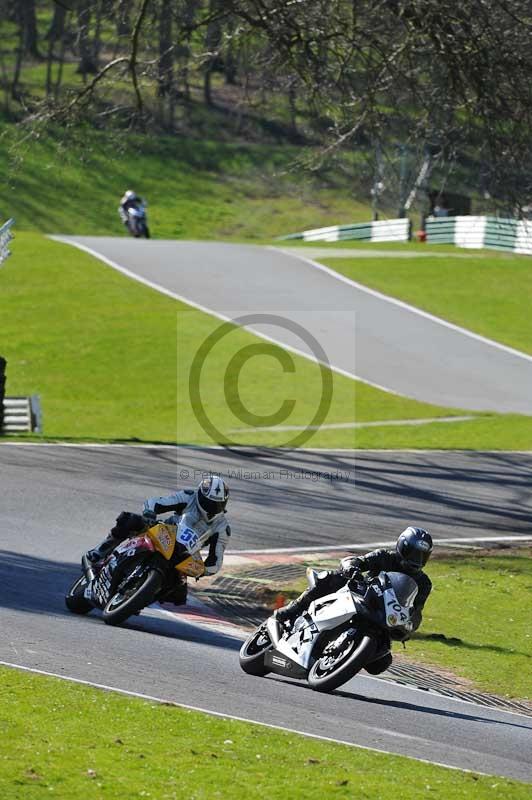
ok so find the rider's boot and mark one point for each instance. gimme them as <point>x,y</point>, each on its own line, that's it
<point>289,613</point>
<point>103,549</point>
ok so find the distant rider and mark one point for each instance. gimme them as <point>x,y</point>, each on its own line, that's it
<point>412,551</point>
<point>129,200</point>
<point>202,508</point>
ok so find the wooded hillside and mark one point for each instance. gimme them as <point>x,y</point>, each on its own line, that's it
<point>450,82</point>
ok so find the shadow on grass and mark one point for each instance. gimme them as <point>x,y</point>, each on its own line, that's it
<point>453,641</point>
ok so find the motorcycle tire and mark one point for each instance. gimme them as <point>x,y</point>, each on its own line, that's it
<point>75,600</point>
<point>252,652</point>
<point>121,606</point>
<point>325,680</point>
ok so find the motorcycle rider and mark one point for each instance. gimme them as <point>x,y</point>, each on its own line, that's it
<point>204,511</point>
<point>130,199</point>
<point>412,552</point>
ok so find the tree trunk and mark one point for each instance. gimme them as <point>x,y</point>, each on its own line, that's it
<point>165,65</point>
<point>213,38</point>
<point>29,22</point>
<point>87,64</point>
<point>57,25</point>
<point>55,33</point>
<point>123,21</point>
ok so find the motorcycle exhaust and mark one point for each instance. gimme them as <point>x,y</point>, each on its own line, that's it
<point>87,569</point>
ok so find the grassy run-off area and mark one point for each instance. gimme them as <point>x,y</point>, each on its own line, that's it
<point>487,292</point>
<point>71,180</point>
<point>64,740</point>
<point>476,621</point>
<point>111,360</point>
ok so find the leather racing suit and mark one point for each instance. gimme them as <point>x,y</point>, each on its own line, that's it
<point>214,532</point>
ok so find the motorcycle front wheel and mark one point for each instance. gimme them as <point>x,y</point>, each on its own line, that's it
<point>338,664</point>
<point>75,600</point>
<point>133,597</point>
<point>252,653</point>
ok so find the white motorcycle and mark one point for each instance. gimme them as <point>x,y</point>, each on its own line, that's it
<point>338,635</point>
<point>137,221</point>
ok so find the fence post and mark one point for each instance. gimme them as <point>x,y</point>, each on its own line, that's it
<point>3,363</point>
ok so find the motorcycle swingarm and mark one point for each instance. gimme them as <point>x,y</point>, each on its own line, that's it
<point>281,664</point>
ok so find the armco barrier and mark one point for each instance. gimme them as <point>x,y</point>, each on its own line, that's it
<point>22,414</point>
<point>3,363</point>
<point>388,230</point>
<point>5,238</point>
<point>493,232</point>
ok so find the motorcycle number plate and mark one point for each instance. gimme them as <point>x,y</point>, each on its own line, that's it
<point>189,538</point>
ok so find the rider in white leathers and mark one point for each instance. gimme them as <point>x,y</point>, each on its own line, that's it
<point>188,506</point>
<point>203,510</point>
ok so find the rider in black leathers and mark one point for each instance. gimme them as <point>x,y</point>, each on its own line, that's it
<point>412,552</point>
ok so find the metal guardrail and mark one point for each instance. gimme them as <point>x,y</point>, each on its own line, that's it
<point>22,414</point>
<point>492,232</point>
<point>386,230</point>
<point>5,237</point>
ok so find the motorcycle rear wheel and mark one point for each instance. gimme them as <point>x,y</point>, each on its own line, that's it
<point>330,672</point>
<point>133,599</point>
<point>75,600</point>
<point>252,652</point>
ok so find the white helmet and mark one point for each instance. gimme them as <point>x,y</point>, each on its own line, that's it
<point>212,495</point>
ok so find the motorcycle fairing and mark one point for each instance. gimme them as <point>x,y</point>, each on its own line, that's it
<point>100,589</point>
<point>328,612</point>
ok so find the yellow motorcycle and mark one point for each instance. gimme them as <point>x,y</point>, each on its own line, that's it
<point>146,567</point>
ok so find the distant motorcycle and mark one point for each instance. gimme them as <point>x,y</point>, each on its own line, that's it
<point>137,221</point>
<point>140,570</point>
<point>338,635</point>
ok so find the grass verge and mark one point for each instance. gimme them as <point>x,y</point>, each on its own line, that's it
<point>476,622</point>
<point>52,746</point>
<point>488,293</point>
<point>111,359</point>
<point>196,188</point>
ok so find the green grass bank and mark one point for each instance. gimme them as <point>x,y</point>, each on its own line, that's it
<point>71,180</point>
<point>486,292</point>
<point>138,749</point>
<point>111,359</point>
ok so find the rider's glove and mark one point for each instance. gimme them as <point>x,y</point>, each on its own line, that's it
<point>150,517</point>
<point>349,566</point>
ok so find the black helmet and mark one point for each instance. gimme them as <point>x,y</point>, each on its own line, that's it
<point>212,495</point>
<point>414,547</point>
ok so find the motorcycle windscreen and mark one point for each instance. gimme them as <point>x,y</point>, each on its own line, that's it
<point>404,586</point>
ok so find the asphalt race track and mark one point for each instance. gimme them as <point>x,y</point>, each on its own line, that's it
<point>382,342</point>
<point>57,501</point>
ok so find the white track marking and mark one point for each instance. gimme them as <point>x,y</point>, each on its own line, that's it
<point>366,545</point>
<point>351,425</point>
<point>252,448</point>
<point>413,309</point>
<point>221,715</point>
<point>218,315</point>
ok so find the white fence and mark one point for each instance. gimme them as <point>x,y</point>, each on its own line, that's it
<point>387,230</point>
<point>5,237</point>
<point>22,414</point>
